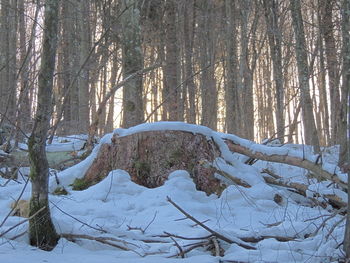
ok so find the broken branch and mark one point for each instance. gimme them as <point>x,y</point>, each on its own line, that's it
<point>218,235</point>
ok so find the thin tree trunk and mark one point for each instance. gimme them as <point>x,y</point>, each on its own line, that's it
<point>207,59</point>
<point>231,89</point>
<point>275,43</point>
<point>310,130</point>
<point>322,89</point>
<point>132,62</point>
<point>83,80</point>
<point>189,18</point>
<point>326,29</point>
<point>42,232</point>
<point>345,151</point>
<point>345,88</point>
<point>8,36</point>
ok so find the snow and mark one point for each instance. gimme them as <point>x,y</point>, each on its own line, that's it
<point>117,207</point>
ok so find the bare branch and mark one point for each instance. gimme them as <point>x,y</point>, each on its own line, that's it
<point>218,235</point>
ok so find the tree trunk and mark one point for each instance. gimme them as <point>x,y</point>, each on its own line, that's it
<point>231,89</point>
<point>42,232</point>
<point>209,94</point>
<point>246,70</point>
<point>132,62</point>
<point>310,130</point>
<point>188,44</point>
<point>322,90</point>
<point>83,80</point>
<point>275,43</point>
<point>8,30</point>
<point>171,68</point>
<point>345,88</point>
<point>24,104</point>
<point>326,29</point>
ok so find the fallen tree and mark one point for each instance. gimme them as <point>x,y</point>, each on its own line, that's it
<point>314,167</point>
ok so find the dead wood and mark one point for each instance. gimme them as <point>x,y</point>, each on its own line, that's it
<point>22,222</point>
<point>149,158</point>
<point>235,180</point>
<point>315,168</point>
<point>260,238</point>
<point>216,234</point>
<point>301,189</point>
<point>190,247</point>
<point>104,240</point>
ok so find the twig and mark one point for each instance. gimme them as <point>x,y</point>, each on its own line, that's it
<point>76,219</point>
<point>181,252</point>
<point>103,240</point>
<point>218,235</point>
<point>192,246</point>
<point>19,235</point>
<point>167,234</point>
<point>15,205</point>
<point>22,222</point>
<point>143,230</point>
<point>154,217</point>
<point>334,226</point>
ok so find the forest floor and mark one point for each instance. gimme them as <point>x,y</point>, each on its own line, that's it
<point>117,220</point>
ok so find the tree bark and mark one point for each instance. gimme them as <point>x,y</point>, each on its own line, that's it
<point>171,68</point>
<point>189,18</point>
<point>275,43</point>
<point>327,31</point>
<point>207,35</point>
<point>310,130</point>
<point>132,62</point>
<point>8,30</point>
<point>231,87</point>
<point>83,80</point>
<point>42,232</point>
<point>345,151</point>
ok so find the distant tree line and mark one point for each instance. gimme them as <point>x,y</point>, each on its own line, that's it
<point>256,68</point>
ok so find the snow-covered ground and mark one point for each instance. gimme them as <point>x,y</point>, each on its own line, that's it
<point>138,218</point>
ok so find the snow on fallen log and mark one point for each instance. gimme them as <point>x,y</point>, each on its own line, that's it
<point>314,163</point>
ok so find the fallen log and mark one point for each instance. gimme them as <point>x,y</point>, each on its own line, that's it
<point>316,169</point>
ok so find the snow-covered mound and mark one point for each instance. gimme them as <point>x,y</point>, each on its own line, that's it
<point>148,228</point>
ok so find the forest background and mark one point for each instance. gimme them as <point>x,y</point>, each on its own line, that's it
<point>255,68</point>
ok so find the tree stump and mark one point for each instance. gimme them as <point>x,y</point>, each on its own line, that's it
<point>150,156</point>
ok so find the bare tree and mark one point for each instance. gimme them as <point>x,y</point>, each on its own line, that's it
<point>207,42</point>
<point>8,44</point>
<point>42,232</point>
<point>327,32</point>
<point>310,130</point>
<point>345,151</point>
<point>132,62</point>
<point>233,122</point>
<point>84,31</point>
<point>171,68</point>
<point>275,43</point>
